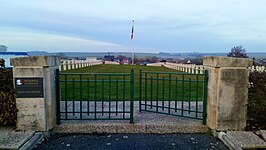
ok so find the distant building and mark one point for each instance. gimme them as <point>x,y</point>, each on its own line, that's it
<point>7,55</point>
<point>124,62</point>
<point>3,48</point>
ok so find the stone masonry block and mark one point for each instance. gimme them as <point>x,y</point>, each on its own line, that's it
<point>233,87</point>
<point>231,117</point>
<point>212,84</point>
<point>227,62</point>
<point>35,61</point>
<point>211,113</point>
<point>50,95</point>
<point>31,120</point>
<point>28,72</point>
<point>230,113</point>
<point>30,104</point>
<point>235,126</point>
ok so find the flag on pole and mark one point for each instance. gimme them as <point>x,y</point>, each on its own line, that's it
<point>132,31</point>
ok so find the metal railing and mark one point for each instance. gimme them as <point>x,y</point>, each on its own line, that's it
<point>95,96</point>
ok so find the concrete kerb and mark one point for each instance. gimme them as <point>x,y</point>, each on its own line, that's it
<point>13,139</point>
<point>229,142</point>
<point>33,141</point>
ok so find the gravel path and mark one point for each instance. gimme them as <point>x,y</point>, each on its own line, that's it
<point>79,109</point>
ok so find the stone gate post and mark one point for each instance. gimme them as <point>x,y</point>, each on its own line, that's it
<point>34,80</point>
<point>227,92</point>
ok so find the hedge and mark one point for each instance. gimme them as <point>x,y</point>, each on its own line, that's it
<point>257,95</point>
<point>8,109</point>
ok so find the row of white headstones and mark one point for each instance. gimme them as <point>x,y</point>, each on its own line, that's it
<point>189,68</point>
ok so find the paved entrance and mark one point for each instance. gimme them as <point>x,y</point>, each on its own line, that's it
<point>144,122</point>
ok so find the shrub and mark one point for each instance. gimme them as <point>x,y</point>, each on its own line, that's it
<point>257,92</point>
<point>8,109</point>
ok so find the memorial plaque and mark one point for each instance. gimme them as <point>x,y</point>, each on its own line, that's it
<point>29,87</point>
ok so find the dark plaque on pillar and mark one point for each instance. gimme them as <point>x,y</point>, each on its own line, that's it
<point>29,87</point>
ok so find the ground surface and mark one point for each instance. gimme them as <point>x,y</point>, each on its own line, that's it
<point>131,141</point>
<point>12,139</point>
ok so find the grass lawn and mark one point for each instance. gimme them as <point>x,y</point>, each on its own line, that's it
<point>93,85</point>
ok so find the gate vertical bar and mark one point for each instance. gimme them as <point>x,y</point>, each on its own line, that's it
<point>57,84</point>
<point>131,95</point>
<point>145,91</point>
<point>102,96</point>
<point>95,96</point>
<point>124,95</point>
<point>66,96</point>
<point>183,94</point>
<point>157,91</point>
<point>197,94</point>
<point>140,88</point>
<point>88,95</point>
<point>204,115</point>
<point>151,93</point>
<point>189,95</point>
<point>163,95</point>
<point>176,92</point>
<point>109,95</point>
<point>169,93</point>
<point>73,98</point>
<point>116,99</point>
<point>80,94</point>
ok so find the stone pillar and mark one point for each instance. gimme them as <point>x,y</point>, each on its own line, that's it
<point>227,92</point>
<point>34,80</point>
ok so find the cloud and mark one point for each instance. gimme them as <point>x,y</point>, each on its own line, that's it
<point>162,25</point>
<point>19,40</point>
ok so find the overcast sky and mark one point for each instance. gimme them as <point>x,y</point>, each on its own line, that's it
<point>174,26</point>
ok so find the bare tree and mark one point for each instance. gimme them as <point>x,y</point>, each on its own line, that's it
<point>238,52</point>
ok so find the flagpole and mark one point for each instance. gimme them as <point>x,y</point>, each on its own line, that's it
<point>132,51</point>
<point>132,38</point>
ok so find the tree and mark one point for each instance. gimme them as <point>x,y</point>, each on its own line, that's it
<point>197,61</point>
<point>109,57</point>
<point>121,57</point>
<point>61,55</point>
<point>238,52</point>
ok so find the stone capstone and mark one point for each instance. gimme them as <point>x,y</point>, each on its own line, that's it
<point>35,61</point>
<point>226,62</point>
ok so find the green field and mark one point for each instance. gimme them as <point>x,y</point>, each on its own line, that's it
<point>91,84</point>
